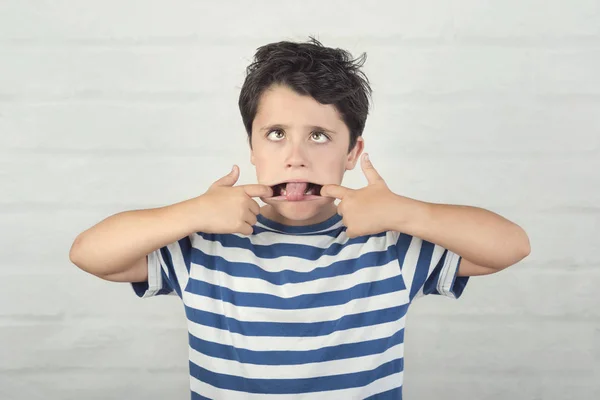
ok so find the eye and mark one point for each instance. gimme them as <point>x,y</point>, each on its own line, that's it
<point>324,138</point>
<point>279,134</point>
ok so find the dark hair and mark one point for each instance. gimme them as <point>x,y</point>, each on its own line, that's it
<point>330,76</point>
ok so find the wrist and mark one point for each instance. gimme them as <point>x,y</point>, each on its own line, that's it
<point>185,216</point>
<point>409,215</point>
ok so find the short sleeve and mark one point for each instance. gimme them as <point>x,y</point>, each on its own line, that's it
<point>428,268</point>
<point>168,270</point>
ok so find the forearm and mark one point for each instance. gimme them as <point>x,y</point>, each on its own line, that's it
<point>114,244</point>
<point>476,234</point>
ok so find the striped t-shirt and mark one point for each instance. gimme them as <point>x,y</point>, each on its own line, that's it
<point>297,312</point>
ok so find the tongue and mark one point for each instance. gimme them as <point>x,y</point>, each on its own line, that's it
<point>295,191</point>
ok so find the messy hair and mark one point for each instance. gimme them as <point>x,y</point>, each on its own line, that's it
<point>330,76</point>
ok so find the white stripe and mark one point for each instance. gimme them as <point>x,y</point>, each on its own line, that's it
<point>317,314</point>
<point>410,262</point>
<point>436,254</point>
<point>178,263</point>
<point>299,371</point>
<point>449,272</point>
<point>304,343</point>
<point>381,385</point>
<point>154,275</point>
<point>269,234</point>
<point>330,284</point>
<point>243,255</point>
<point>269,237</point>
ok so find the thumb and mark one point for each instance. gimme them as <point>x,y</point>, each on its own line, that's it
<point>369,170</point>
<point>230,179</point>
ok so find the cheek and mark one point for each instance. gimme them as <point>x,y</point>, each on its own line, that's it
<point>333,166</point>
<point>264,166</point>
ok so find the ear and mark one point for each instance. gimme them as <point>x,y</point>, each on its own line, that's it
<point>252,158</point>
<point>355,153</point>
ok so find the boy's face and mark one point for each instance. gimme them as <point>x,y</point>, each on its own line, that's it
<point>295,138</point>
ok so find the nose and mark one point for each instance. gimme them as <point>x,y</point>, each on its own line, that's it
<point>296,155</point>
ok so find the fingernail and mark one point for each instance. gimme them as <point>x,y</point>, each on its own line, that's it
<point>366,156</point>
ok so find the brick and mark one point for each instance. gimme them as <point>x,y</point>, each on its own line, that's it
<point>189,19</point>
<point>93,343</point>
<point>569,294</point>
<point>492,386</point>
<point>568,72</point>
<point>132,178</point>
<point>556,238</point>
<point>102,112</point>
<point>505,128</point>
<point>411,127</point>
<point>499,184</point>
<point>95,384</point>
<point>185,72</point>
<point>70,294</point>
<point>500,347</point>
<point>395,70</point>
<point>211,128</point>
<point>526,20</point>
<point>482,70</point>
<point>97,73</point>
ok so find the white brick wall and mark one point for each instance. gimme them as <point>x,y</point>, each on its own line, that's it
<point>114,105</point>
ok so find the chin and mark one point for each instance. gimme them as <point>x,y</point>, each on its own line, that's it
<point>302,210</point>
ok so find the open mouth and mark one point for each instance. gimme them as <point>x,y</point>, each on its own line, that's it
<point>296,191</point>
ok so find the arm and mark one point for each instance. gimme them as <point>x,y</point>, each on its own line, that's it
<point>486,241</point>
<point>116,248</point>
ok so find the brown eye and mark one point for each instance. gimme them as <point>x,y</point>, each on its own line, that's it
<point>321,137</point>
<point>276,131</point>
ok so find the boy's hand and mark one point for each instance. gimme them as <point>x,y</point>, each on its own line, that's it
<point>367,210</point>
<point>229,209</point>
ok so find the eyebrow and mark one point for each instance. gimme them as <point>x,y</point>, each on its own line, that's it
<point>267,128</point>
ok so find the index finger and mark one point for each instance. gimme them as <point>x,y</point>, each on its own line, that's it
<point>257,190</point>
<point>335,191</point>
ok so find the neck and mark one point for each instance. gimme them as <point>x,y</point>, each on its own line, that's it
<point>324,214</point>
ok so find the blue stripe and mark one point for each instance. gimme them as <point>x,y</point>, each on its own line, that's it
<point>331,233</point>
<point>422,268</point>
<point>186,249</point>
<point>276,250</point>
<point>430,286</point>
<point>185,246</point>
<point>393,394</point>
<point>295,329</point>
<point>295,357</point>
<point>324,299</point>
<point>172,280</point>
<point>402,246</point>
<point>304,229</point>
<point>458,282</point>
<point>196,396</point>
<point>141,288</point>
<point>295,386</point>
<point>249,270</point>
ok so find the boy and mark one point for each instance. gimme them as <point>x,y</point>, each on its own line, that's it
<point>300,298</point>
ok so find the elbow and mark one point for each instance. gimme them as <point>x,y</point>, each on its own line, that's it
<point>519,250</point>
<point>526,250</point>
<point>77,256</point>
<point>525,245</point>
<point>74,252</point>
<point>523,249</point>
